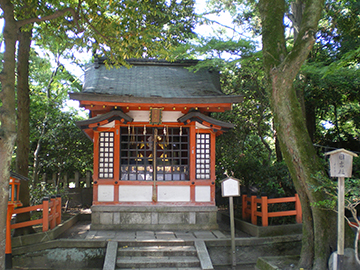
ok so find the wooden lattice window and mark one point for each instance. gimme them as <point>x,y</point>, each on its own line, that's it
<point>106,155</point>
<point>139,146</point>
<point>203,156</point>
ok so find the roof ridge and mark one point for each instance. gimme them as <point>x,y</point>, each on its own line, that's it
<point>150,61</point>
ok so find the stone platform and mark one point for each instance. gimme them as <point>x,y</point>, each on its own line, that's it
<point>114,217</point>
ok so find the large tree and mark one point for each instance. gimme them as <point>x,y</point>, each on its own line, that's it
<point>23,129</point>
<point>282,65</point>
<point>117,29</point>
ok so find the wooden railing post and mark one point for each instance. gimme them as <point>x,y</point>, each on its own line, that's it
<point>52,212</point>
<point>253,210</point>
<point>58,209</point>
<point>264,211</point>
<point>244,205</point>
<point>298,209</point>
<point>45,214</point>
<point>8,250</point>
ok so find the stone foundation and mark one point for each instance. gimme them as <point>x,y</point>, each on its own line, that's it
<point>153,217</point>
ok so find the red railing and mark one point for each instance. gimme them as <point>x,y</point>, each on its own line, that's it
<point>250,208</point>
<point>51,216</point>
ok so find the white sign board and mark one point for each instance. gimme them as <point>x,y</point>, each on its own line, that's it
<point>341,162</point>
<point>230,187</point>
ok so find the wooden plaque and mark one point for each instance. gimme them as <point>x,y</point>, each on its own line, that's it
<point>230,187</point>
<point>155,116</point>
<point>341,163</point>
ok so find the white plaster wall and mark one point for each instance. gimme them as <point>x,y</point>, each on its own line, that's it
<point>202,194</point>
<point>109,125</point>
<point>135,193</point>
<point>143,116</point>
<point>200,126</point>
<point>173,194</point>
<point>105,193</point>
<point>168,116</point>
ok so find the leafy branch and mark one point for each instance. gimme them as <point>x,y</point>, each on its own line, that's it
<point>56,14</point>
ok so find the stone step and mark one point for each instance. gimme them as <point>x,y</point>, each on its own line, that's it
<point>157,251</point>
<point>146,243</point>
<point>171,268</point>
<point>157,262</point>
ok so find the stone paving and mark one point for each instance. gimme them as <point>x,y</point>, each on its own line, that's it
<point>155,235</point>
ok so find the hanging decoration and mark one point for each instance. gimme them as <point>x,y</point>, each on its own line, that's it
<point>180,133</point>
<point>144,130</point>
<point>167,135</point>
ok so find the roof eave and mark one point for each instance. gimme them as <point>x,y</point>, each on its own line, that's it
<point>202,118</point>
<point>155,100</point>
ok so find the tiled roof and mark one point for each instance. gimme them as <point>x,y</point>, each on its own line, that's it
<point>149,78</point>
<point>18,176</point>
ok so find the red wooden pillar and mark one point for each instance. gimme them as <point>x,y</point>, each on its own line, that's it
<point>117,155</point>
<point>45,214</point>
<point>298,209</point>
<point>192,191</point>
<point>244,205</point>
<point>192,147</point>
<point>96,167</point>
<point>253,210</point>
<point>52,212</point>
<point>8,251</point>
<point>212,156</point>
<point>58,209</point>
<point>264,211</point>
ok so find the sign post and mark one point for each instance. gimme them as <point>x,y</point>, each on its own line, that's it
<point>230,187</point>
<point>340,167</point>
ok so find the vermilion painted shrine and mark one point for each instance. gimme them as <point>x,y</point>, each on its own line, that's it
<point>154,144</point>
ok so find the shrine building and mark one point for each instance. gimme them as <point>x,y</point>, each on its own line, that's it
<point>154,143</point>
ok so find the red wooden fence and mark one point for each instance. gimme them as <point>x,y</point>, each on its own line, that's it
<point>250,208</point>
<point>51,216</point>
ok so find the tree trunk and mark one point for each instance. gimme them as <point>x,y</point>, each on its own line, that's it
<point>7,116</point>
<point>23,131</point>
<point>319,226</point>
<point>311,121</point>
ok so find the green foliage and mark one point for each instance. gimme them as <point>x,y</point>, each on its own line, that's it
<point>117,29</point>
<point>57,145</point>
<point>42,190</point>
<point>333,99</point>
<point>64,146</point>
<point>330,79</point>
<point>330,187</point>
<point>356,167</point>
<point>339,31</point>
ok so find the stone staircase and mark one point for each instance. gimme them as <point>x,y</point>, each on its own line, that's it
<point>190,255</point>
